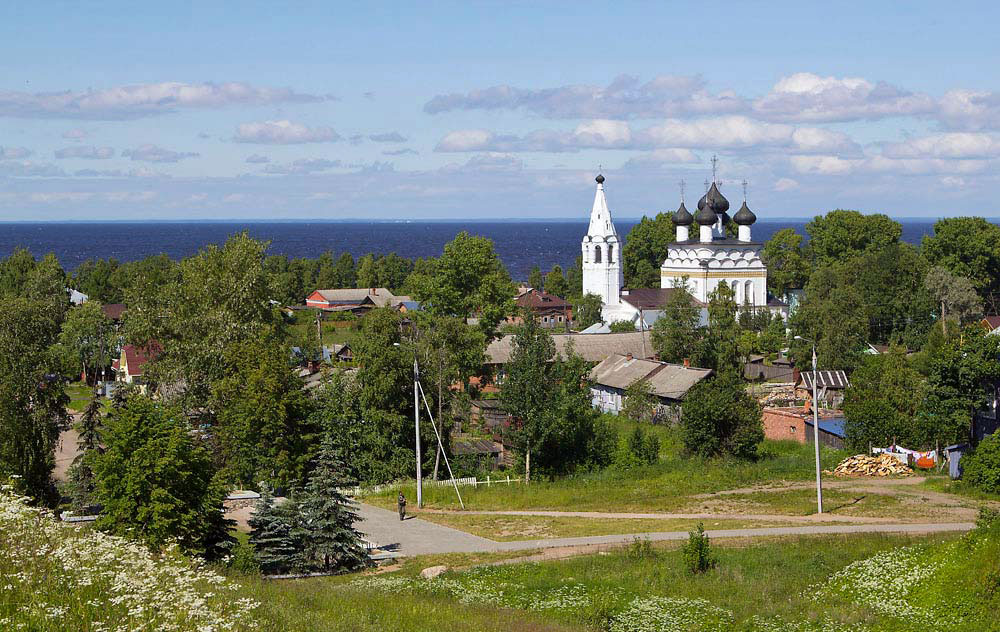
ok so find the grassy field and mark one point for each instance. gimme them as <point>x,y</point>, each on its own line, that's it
<point>332,334</point>
<point>511,528</point>
<point>673,484</point>
<point>79,396</point>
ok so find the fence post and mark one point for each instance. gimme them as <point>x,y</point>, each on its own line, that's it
<point>487,480</point>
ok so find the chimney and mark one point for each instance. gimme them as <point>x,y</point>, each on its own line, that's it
<point>687,363</point>
<point>372,291</point>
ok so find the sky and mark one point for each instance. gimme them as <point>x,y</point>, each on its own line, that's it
<point>480,110</point>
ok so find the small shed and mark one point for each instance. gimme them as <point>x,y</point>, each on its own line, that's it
<point>830,385</point>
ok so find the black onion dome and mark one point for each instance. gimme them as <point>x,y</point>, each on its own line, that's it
<point>706,216</point>
<point>719,202</point>
<point>682,217</point>
<point>744,216</point>
<point>599,179</point>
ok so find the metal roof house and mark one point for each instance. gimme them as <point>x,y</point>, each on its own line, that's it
<point>829,384</point>
<point>591,347</point>
<point>668,382</point>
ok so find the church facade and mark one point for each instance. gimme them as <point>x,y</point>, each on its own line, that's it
<point>699,263</point>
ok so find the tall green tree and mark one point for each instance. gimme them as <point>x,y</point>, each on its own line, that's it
<point>968,247</point>
<point>645,248</point>
<point>469,280</point>
<point>277,544</point>
<point>587,310</point>
<point>954,294</point>
<point>555,282</point>
<point>527,391</point>
<point>882,400</point>
<point>842,233</point>
<point>263,412</point>
<point>157,484</point>
<point>330,543</point>
<point>344,274</point>
<point>535,279</point>
<point>32,400</point>
<point>834,315</point>
<point>787,265</point>
<point>676,334</point>
<point>718,418</point>
<point>86,340</point>
<point>721,343</point>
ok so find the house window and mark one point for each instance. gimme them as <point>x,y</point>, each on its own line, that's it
<point>791,429</point>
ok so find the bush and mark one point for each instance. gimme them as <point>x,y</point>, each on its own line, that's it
<point>718,417</point>
<point>242,559</point>
<point>697,552</point>
<point>981,468</point>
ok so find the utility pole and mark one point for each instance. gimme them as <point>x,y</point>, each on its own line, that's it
<point>416,429</point>
<point>819,480</point>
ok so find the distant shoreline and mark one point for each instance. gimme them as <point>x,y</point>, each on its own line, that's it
<point>481,220</point>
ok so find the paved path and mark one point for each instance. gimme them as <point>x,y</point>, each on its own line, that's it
<point>419,537</point>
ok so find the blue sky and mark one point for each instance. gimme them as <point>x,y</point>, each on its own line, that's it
<point>493,110</point>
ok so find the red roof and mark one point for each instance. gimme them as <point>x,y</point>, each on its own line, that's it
<point>113,311</point>
<point>535,300</point>
<point>137,357</point>
<point>991,321</point>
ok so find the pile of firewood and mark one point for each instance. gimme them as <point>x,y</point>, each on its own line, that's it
<point>881,465</point>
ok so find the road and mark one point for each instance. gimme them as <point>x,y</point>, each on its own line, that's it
<point>419,537</point>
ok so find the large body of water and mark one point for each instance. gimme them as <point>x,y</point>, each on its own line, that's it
<point>520,244</point>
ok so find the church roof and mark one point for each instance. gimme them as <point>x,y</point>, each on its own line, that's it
<point>682,217</point>
<point>647,298</point>
<point>744,216</point>
<point>601,224</point>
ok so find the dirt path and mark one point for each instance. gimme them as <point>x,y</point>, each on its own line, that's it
<point>810,519</point>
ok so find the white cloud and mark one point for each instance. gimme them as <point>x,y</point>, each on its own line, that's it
<point>661,157</point>
<point>75,134</point>
<point>257,159</point>
<point>154,153</point>
<point>948,145</point>
<point>283,132</point>
<point>140,100</point>
<point>823,165</point>
<point>970,110</point>
<point>785,184</point>
<point>304,165</point>
<point>819,140</point>
<point>721,132</point>
<point>14,153</point>
<point>805,96</point>
<point>88,152</point>
<point>624,97</point>
<point>387,137</point>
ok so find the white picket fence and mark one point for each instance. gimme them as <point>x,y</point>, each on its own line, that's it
<point>464,482</point>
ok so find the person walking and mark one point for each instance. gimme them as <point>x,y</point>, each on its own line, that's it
<point>401,504</point>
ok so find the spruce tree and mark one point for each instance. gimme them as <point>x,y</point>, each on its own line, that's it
<point>81,473</point>
<point>326,518</point>
<point>276,548</point>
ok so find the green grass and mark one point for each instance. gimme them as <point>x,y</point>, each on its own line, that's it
<point>942,483</point>
<point>666,486</point>
<point>79,395</point>
<point>511,528</point>
<point>752,587</point>
<point>331,334</point>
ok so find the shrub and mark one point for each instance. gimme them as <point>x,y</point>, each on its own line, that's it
<point>640,549</point>
<point>697,552</point>
<point>718,417</point>
<point>981,469</point>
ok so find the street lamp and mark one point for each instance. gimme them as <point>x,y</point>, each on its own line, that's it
<point>416,426</point>
<point>819,481</point>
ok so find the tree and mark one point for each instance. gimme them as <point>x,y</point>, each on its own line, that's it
<point>981,469</point>
<point>527,390</point>
<point>157,484</point>
<point>326,523</point>
<point>787,267</point>
<point>834,315</point>
<point>344,274</point>
<point>367,273</point>
<point>574,277</point>
<point>640,402</point>
<point>86,340</point>
<point>555,282</point>
<point>587,310</point>
<point>718,417</point>
<point>621,326</point>
<point>675,334</point>
<point>967,247</point>
<point>218,300</point>
<point>81,472</point>
<point>32,398</point>
<point>644,250</point>
<point>721,343</point>
<point>955,294</point>
<point>841,234</point>
<point>535,278</point>
<point>882,400</point>
<point>643,447</point>
<point>276,542</point>
<point>469,280</point>
<point>262,411</point>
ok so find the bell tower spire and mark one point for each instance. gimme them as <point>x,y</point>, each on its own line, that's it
<point>602,270</point>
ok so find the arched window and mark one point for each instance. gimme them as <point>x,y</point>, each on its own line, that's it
<point>611,253</point>
<point>597,254</point>
<point>734,286</point>
<point>748,292</point>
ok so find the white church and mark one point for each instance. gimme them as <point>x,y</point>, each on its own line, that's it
<point>705,259</point>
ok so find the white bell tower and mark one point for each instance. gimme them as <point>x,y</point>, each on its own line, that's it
<point>602,257</point>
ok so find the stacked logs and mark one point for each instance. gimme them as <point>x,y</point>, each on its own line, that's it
<point>881,465</point>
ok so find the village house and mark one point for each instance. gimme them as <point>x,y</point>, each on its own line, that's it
<point>830,387</point>
<point>549,310</point>
<point>131,363</point>
<point>358,301</point>
<point>796,424</point>
<point>590,347</point>
<point>668,382</point>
